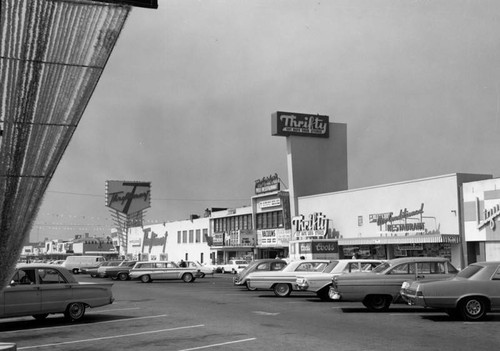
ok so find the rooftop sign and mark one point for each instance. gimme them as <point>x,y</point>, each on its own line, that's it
<point>290,123</point>
<point>128,197</point>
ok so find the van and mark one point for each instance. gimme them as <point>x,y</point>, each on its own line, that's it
<point>75,263</point>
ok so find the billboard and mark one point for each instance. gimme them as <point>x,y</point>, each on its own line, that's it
<point>291,123</point>
<point>128,197</point>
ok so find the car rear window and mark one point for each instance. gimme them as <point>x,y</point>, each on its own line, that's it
<point>469,271</point>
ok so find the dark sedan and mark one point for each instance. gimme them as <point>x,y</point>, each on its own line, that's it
<point>472,293</point>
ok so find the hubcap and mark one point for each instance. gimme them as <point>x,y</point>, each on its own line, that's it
<point>473,307</point>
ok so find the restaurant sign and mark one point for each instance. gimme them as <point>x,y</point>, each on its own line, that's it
<point>290,123</point>
<point>267,184</point>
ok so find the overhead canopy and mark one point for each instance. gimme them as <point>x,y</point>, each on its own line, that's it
<point>52,54</point>
<point>410,239</point>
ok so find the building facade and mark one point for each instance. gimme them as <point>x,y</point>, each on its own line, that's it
<point>415,218</point>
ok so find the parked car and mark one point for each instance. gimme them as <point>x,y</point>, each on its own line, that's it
<point>202,268</point>
<point>263,265</point>
<point>471,294</point>
<point>120,272</point>
<point>146,272</point>
<point>75,263</point>
<point>103,268</point>
<point>284,281</point>
<point>92,271</point>
<point>41,289</point>
<point>381,287</point>
<point>320,282</point>
<point>233,266</point>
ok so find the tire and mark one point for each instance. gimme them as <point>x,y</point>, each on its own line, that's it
<point>75,311</point>
<point>122,276</point>
<point>187,278</point>
<point>377,303</point>
<point>473,309</point>
<point>75,271</point>
<point>249,287</point>
<point>282,290</point>
<point>324,294</point>
<point>146,278</point>
<point>93,275</point>
<point>40,317</point>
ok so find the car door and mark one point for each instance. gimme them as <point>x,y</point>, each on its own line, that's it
<point>22,296</point>
<point>397,275</point>
<point>55,290</point>
<point>432,270</point>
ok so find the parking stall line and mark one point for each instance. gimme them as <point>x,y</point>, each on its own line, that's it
<point>110,337</point>
<point>84,324</point>
<point>220,344</point>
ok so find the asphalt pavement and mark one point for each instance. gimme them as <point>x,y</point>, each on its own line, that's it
<point>212,314</point>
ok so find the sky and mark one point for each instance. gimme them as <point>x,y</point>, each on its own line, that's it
<point>186,98</point>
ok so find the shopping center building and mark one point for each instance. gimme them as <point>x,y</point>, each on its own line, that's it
<point>317,216</point>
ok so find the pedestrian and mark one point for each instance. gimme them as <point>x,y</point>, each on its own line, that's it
<point>182,264</point>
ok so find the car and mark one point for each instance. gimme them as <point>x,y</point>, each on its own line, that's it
<point>470,295</point>
<point>381,287</point>
<point>41,289</point>
<point>262,265</point>
<point>102,269</point>
<point>149,271</point>
<point>284,281</point>
<point>202,268</point>
<point>233,266</point>
<point>120,272</point>
<point>320,282</point>
<point>91,270</point>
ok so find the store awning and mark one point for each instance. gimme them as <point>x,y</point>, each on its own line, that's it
<point>413,239</point>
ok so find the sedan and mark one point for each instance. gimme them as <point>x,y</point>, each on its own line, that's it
<point>258,266</point>
<point>320,282</point>
<point>283,282</point>
<point>120,272</point>
<point>472,293</point>
<point>41,289</point>
<point>381,287</point>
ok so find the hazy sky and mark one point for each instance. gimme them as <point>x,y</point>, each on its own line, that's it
<point>186,100</point>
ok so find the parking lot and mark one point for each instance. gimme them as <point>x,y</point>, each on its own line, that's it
<point>212,314</point>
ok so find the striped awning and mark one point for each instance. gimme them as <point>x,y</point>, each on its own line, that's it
<point>411,239</point>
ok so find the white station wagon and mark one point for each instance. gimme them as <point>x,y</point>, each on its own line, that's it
<point>148,271</point>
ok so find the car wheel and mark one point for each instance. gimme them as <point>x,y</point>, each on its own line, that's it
<point>145,278</point>
<point>122,276</point>
<point>187,278</point>
<point>93,275</point>
<point>282,290</point>
<point>472,309</point>
<point>324,294</point>
<point>75,311</point>
<point>40,317</point>
<point>249,287</point>
<point>75,271</point>
<point>377,303</point>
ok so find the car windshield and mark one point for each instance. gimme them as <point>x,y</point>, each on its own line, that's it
<point>469,271</point>
<point>331,266</point>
